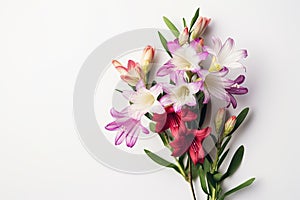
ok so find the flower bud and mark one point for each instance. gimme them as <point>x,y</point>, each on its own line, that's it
<point>219,119</point>
<point>229,125</point>
<point>147,58</point>
<point>200,27</point>
<point>184,36</point>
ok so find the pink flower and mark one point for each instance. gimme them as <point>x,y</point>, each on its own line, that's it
<point>132,74</point>
<point>185,58</point>
<point>127,127</point>
<point>190,141</point>
<point>173,120</point>
<point>200,27</point>
<point>215,84</point>
<point>147,57</point>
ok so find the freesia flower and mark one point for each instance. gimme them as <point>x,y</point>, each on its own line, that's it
<point>172,120</point>
<point>229,125</point>
<point>147,58</point>
<point>144,100</point>
<point>132,74</point>
<point>184,36</point>
<point>225,55</point>
<point>127,127</point>
<point>181,94</point>
<point>191,141</point>
<point>200,27</point>
<point>215,84</point>
<point>185,58</point>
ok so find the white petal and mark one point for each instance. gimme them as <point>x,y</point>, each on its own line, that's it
<point>156,90</point>
<point>225,50</point>
<point>166,100</point>
<point>217,44</point>
<point>157,108</point>
<point>128,94</point>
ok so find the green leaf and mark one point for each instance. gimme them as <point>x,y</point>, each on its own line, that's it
<point>217,177</point>
<point>194,18</point>
<point>235,162</point>
<point>161,161</point>
<point>211,180</point>
<point>239,187</point>
<point>119,90</point>
<point>203,180</point>
<point>224,145</point>
<point>206,165</point>
<point>195,171</point>
<point>164,43</point>
<point>172,27</point>
<point>240,118</point>
<point>184,22</point>
<point>152,126</point>
<point>222,158</point>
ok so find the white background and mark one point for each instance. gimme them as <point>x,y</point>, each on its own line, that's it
<point>42,47</point>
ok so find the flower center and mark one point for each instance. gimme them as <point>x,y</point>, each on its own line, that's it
<point>148,99</point>
<point>183,92</point>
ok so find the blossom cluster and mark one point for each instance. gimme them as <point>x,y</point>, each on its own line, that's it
<point>191,82</point>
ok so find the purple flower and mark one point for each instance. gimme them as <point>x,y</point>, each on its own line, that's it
<point>128,128</point>
<point>184,58</point>
<point>215,84</point>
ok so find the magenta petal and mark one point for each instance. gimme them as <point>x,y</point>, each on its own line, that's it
<point>203,55</point>
<point>173,45</point>
<point>120,138</point>
<point>112,126</point>
<point>145,130</point>
<point>131,140</point>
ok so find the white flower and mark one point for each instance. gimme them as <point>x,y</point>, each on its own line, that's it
<point>225,55</point>
<point>144,100</point>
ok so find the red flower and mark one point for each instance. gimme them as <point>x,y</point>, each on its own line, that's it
<point>191,141</point>
<point>172,120</point>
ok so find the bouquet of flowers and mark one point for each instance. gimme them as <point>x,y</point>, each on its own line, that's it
<point>177,106</point>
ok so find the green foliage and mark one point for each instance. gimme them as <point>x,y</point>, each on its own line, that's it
<point>161,161</point>
<point>172,27</point>
<point>194,19</point>
<point>164,43</point>
<point>235,162</point>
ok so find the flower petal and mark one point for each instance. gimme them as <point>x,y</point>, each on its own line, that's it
<point>226,50</point>
<point>165,69</point>
<point>156,90</point>
<point>173,45</point>
<point>112,126</point>
<point>157,108</point>
<point>120,137</point>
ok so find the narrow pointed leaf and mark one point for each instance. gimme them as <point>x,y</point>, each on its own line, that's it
<point>235,162</point>
<point>202,178</point>
<point>224,145</point>
<point>240,118</point>
<point>184,22</point>
<point>239,187</point>
<point>222,158</point>
<point>161,161</point>
<point>164,43</point>
<point>217,177</point>
<point>194,18</point>
<point>119,90</point>
<point>152,127</point>
<point>172,27</point>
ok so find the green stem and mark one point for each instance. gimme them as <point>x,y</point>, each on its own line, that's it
<point>191,179</point>
<point>180,168</point>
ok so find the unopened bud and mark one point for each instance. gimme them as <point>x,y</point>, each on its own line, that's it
<point>220,119</point>
<point>200,27</point>
<point>184,36</point>
<point>147,58</point>
<point>229,125</point>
